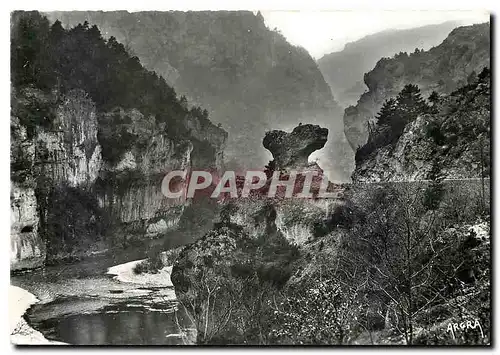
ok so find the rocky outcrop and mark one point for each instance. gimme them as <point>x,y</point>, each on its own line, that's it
<point>210,143</point>
<point>130,190</point>
<point>70,153</point>
<point>294,219</point>
<point>292,150</point>
<point>465,52</point>
<point>455,138</point>
<point>252,249</point>
<point>67,156</point>
<point>139,205</point>
<point>202,279</point>
<point>27,249</point>
<point>62,155</point>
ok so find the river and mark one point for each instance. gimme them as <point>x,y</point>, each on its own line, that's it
<point>80,304</point>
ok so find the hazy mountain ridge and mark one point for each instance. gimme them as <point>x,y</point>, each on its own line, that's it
<point>248,77</point>
<point>465,52</point>
<point>344,70</point>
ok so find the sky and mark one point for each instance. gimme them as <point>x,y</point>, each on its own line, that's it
<point>322,32</point>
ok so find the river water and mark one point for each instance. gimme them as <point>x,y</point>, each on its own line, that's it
<point>81,304</point>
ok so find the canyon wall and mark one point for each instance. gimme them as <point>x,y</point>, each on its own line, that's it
<point>444,68</point>
<point>87,162</point>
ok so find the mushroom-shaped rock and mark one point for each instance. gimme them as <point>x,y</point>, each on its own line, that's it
<point>292,150</point>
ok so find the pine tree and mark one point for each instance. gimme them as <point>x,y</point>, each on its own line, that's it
<point>388,113</point>
<point>410,101</point>
<point>30,57</point>
<point>411,105</point>
<point>434,99</point>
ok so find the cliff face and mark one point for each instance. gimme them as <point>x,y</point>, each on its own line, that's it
<point>344,70</point>
<point>128,192</point>
<point>87,175</point>
<point>27,249</point>
<point>465,52</point>
<point>69,152</point>
<point>455,137</point>
<point>248,77</point>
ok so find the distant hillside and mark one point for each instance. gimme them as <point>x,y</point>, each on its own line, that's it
<point>344,70</point>
<point>248,77</point>
<point>463,54</point>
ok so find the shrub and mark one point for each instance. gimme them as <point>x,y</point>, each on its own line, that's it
<point>151,265</point>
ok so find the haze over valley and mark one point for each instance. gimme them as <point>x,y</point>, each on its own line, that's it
<point>383,118</point>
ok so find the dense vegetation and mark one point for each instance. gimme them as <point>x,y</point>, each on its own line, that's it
<point>75,222</point>
<point>454,123</point>
<point>393,117</point>
<point>131,109</point>
<point>51,58</point>
<point>400,273</point>
<point>444,68</point>
<point>226,279</point>
<point>395,264</point>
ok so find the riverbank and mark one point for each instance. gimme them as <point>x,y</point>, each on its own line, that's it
<point>21,333</point>
<point>99,300</point>
<point>125,273</point>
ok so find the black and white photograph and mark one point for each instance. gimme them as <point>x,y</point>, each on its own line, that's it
<point>250,178</point>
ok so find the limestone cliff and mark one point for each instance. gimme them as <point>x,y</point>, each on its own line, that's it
<point>27,249</point>
<point>87,157</point>
<point>455,137</point>
<point>69,152</point>
<point>465,52</point>
<point>68,156</point>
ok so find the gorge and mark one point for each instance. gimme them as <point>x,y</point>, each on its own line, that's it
<point>105,104</point>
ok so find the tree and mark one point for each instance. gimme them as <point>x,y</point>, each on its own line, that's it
<point>322,310</point>
<point>410,103</point>
<point>485,74</point>
<point>397,244</point>
<point>389,113</point>
<point>434,98</point>
<point>392,118</point>
<point>30,55</point>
